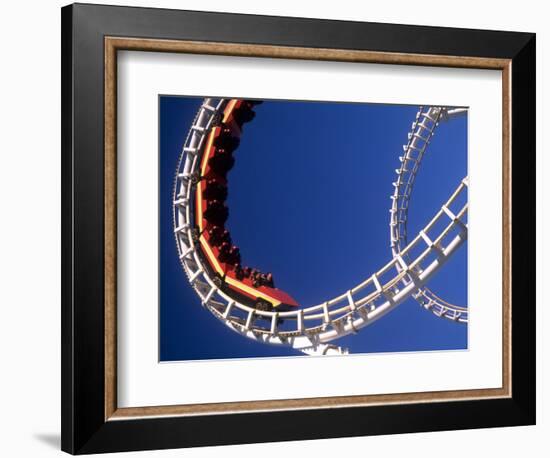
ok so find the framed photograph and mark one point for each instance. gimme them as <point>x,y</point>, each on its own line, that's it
<point>281,229</point>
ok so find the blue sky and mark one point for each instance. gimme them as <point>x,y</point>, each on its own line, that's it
<point>309,200</point>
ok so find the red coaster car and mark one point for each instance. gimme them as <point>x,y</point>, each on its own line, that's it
<point>221,256</point>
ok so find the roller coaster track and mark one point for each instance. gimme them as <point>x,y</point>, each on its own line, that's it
<point>312,329</point>
<point>422,130</point>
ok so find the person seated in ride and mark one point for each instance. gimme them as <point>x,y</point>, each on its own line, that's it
<point>226,140</point>
<point>215,190</point>
<point>268,280</point>
<point>234,255</point>
<point>225,131</point>
<point>226,236</point>
<point>243,114</point>
<point>217,235</point>
<point>239,271</point>
<point>247,272</point>
<point>216,213</point>
<point>221,162</point>
<point>224,251</point>
<point>256,278</point>
<point>229,254</point>
<point>261,279</point>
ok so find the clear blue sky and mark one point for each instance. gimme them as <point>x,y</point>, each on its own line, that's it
<point>309,200</point>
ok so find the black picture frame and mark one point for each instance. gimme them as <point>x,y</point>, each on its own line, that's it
<point>84,426</point>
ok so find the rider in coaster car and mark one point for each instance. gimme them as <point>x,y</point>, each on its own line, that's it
<point>224,249</point>
<point>247,271</point>
<point>221,162</point>
<point>244,114</point>
<point>234,255</point>
<point>256,278</point>
<point>217,235</point>
<point>268,279</point>
<point>216,213</point>
<point>261,279</point>
<point>215,190</point>
<point>229,254</point>
<point>239,272</point>
<point>226,140</point>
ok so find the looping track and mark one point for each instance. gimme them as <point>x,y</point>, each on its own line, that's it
<point>422,131</point>
<point>311,329</point>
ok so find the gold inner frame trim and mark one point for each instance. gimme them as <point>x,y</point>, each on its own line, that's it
<point>114,44</point>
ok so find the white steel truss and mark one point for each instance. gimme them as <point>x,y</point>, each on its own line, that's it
<point>422,130</point>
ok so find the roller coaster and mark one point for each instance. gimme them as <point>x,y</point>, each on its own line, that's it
<point>246,300</point>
